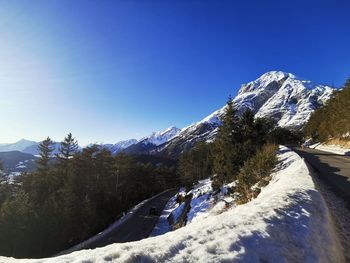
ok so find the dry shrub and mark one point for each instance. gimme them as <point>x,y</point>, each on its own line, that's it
<point>255,173</point>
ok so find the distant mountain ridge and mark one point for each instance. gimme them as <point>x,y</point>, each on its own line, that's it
<point>21,145</point>
<point>151,142</point>
<point>154,139</point>
<point>25,146</point>
<point>119,146</point>
<point>282,96</point>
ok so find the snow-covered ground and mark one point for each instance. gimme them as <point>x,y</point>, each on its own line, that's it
<point>331,148</point>
<point>201,201</point>
<point>287,222</point>
<point>203,204</point>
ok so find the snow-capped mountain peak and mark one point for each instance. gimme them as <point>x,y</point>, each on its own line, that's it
<point>284,97</point>
<point>264,80</point>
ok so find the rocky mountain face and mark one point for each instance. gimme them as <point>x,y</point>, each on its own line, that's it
<point>281,96</point>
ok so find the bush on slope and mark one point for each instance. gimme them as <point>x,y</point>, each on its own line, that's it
<point>255,173</point>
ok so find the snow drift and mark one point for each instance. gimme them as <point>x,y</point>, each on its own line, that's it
<point>337,149</point>
<point>287,222</point>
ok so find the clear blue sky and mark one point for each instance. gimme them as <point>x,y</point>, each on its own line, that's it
<point>112,70</point>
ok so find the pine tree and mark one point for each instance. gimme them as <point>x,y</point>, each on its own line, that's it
<point>195,164</point>
<point>69,147</point>
<point>227,145</point>
<point>249,134</point>
<point>45,151</point>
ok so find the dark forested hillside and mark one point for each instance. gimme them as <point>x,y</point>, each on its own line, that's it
<point>333,119</point>
<point>65,202</point>
<point>12,158</point>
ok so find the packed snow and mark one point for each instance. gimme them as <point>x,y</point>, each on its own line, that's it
<point>201,201</point>
<point>287,222</point>
<point>331,148</point>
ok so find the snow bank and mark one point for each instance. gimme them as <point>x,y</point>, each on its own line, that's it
<point>201,200</point>
<point>331,148</point>
<point>163,225</point>
<point>203,204</point>
<point>287,222</point>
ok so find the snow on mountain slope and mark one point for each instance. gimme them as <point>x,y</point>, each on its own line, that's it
<point>33,149</point>
<point>291,106</point>
<point>16,162</point>
<point>25,146</point>
<point>119,146</point>
<point>263,81</point>
<point>281,96</point>
<point>158,138</point>
<point>17,146</point>
<point>287,222</point>
<point>148,144</point>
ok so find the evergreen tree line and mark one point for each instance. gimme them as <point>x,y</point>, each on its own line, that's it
<point>72,197</point>
<point>333,119</point>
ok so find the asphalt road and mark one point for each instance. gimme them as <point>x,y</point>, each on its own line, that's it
<point>334,168</point>
<point>138,226</point>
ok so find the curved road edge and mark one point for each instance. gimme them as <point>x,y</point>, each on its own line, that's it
<point>135,225</point>
<point>332,168</point>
